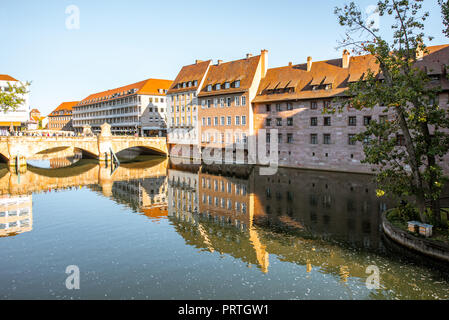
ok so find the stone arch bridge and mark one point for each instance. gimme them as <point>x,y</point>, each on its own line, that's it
<point>16,150</point>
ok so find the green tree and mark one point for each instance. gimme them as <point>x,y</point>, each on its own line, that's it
<point>409,168</point>
<point>12,97</point>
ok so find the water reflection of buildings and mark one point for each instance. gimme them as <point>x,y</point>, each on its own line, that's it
<point>143,195</point>
<point>213,211</point>
<point>328,205</point>
<point>225,210</point>
<point>15,215</point>
<point>141,186</point>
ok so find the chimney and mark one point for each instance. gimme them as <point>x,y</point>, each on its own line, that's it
<point>219,62</point>
<point>264,61</point>
<point>309,64</point>
<point>345,59</point>
<point>198,61</point>
<point>249,55</point>
<point>290,64</point>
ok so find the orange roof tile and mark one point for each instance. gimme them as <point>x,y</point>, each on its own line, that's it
<point>332,72</point>
<point>190,73</point>
<point>243,69</point>
<point>65,107</point>
<point>149,86</point>
<point>6,77</point>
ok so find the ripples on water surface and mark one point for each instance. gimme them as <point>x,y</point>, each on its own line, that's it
<point>157,231</point>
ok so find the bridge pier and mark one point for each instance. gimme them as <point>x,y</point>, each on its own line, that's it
<point>17,164</point>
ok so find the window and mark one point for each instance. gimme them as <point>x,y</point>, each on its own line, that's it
<point>314,121</point>
<point>289,137</point>
<point>327,104</point>
<point>237,101</point>
<point>289,121</point>
<point>327,121</point>
<point>243,101</point>
<point>227,85</point>
<point>209,121</point>
<point>217,86</point>
<point>326,138</point>
<point>314,105</point>
<point>228,102</point>
<point>351,139</point>
<point>279,137</point>
<point>278,107</point>
<point>209,102</point>
<point>313,138</point>
<point>383,119</point>
<point>366,120</point>
<point>243,120</point>
<point>229,121</point>
<point>268,108</point>
<point>268,122</point>
<point>279,122</point>
<point>268,138</point>
<point>222,102</point>
<point>204,121</point>
<point>216,121</point>
<point>237,120</point>
<point>237,84</point>
<point>222,120</point>
<point>289,106</point>
<point>209,87</point>
<point>352,121</point>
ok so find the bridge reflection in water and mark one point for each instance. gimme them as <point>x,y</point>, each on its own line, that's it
<point>320,221</point>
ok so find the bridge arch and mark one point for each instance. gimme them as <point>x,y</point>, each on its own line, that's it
<point>3,158</point>
<point>87,152</point>
<point>143,149</point>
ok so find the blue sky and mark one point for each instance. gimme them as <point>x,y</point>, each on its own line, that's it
<point>121,42</point>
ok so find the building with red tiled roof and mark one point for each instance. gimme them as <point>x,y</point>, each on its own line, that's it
<point>182,105</point>
<point>14,119</point>
<point>37,121</point>
<point>290,101</point>
<point>61,117</point>
<point>136,108</point>
<point>226,112</point>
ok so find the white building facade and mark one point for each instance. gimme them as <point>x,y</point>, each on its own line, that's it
<point>18,118</point>
<point>139,108</point>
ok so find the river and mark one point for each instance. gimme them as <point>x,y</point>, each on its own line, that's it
<point>154,230</point>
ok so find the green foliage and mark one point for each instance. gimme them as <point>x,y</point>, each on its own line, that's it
<point>12,97</point>
<point>445,15</point>
<point>407,148</point>
<point>403,214</point>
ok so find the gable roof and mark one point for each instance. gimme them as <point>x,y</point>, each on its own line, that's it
<point>5,77</point>
<point>65,107</point>
<point>190,73</point>
<point>243,70</point>
<point>149,87</point>
<point>332,72</point>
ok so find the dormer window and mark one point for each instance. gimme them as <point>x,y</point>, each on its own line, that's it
<point>183,84</point>
<point>434,78</point>
<point>328,86</point>
<point>209,88</point>
<point>237,84</point>
<point>195,83</point>
<point>217,86</point>
<point>315,88</point>
<point>189,84</point>
<point>227,85</point>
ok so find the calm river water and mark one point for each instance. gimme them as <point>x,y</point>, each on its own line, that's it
<point>155,230</point>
